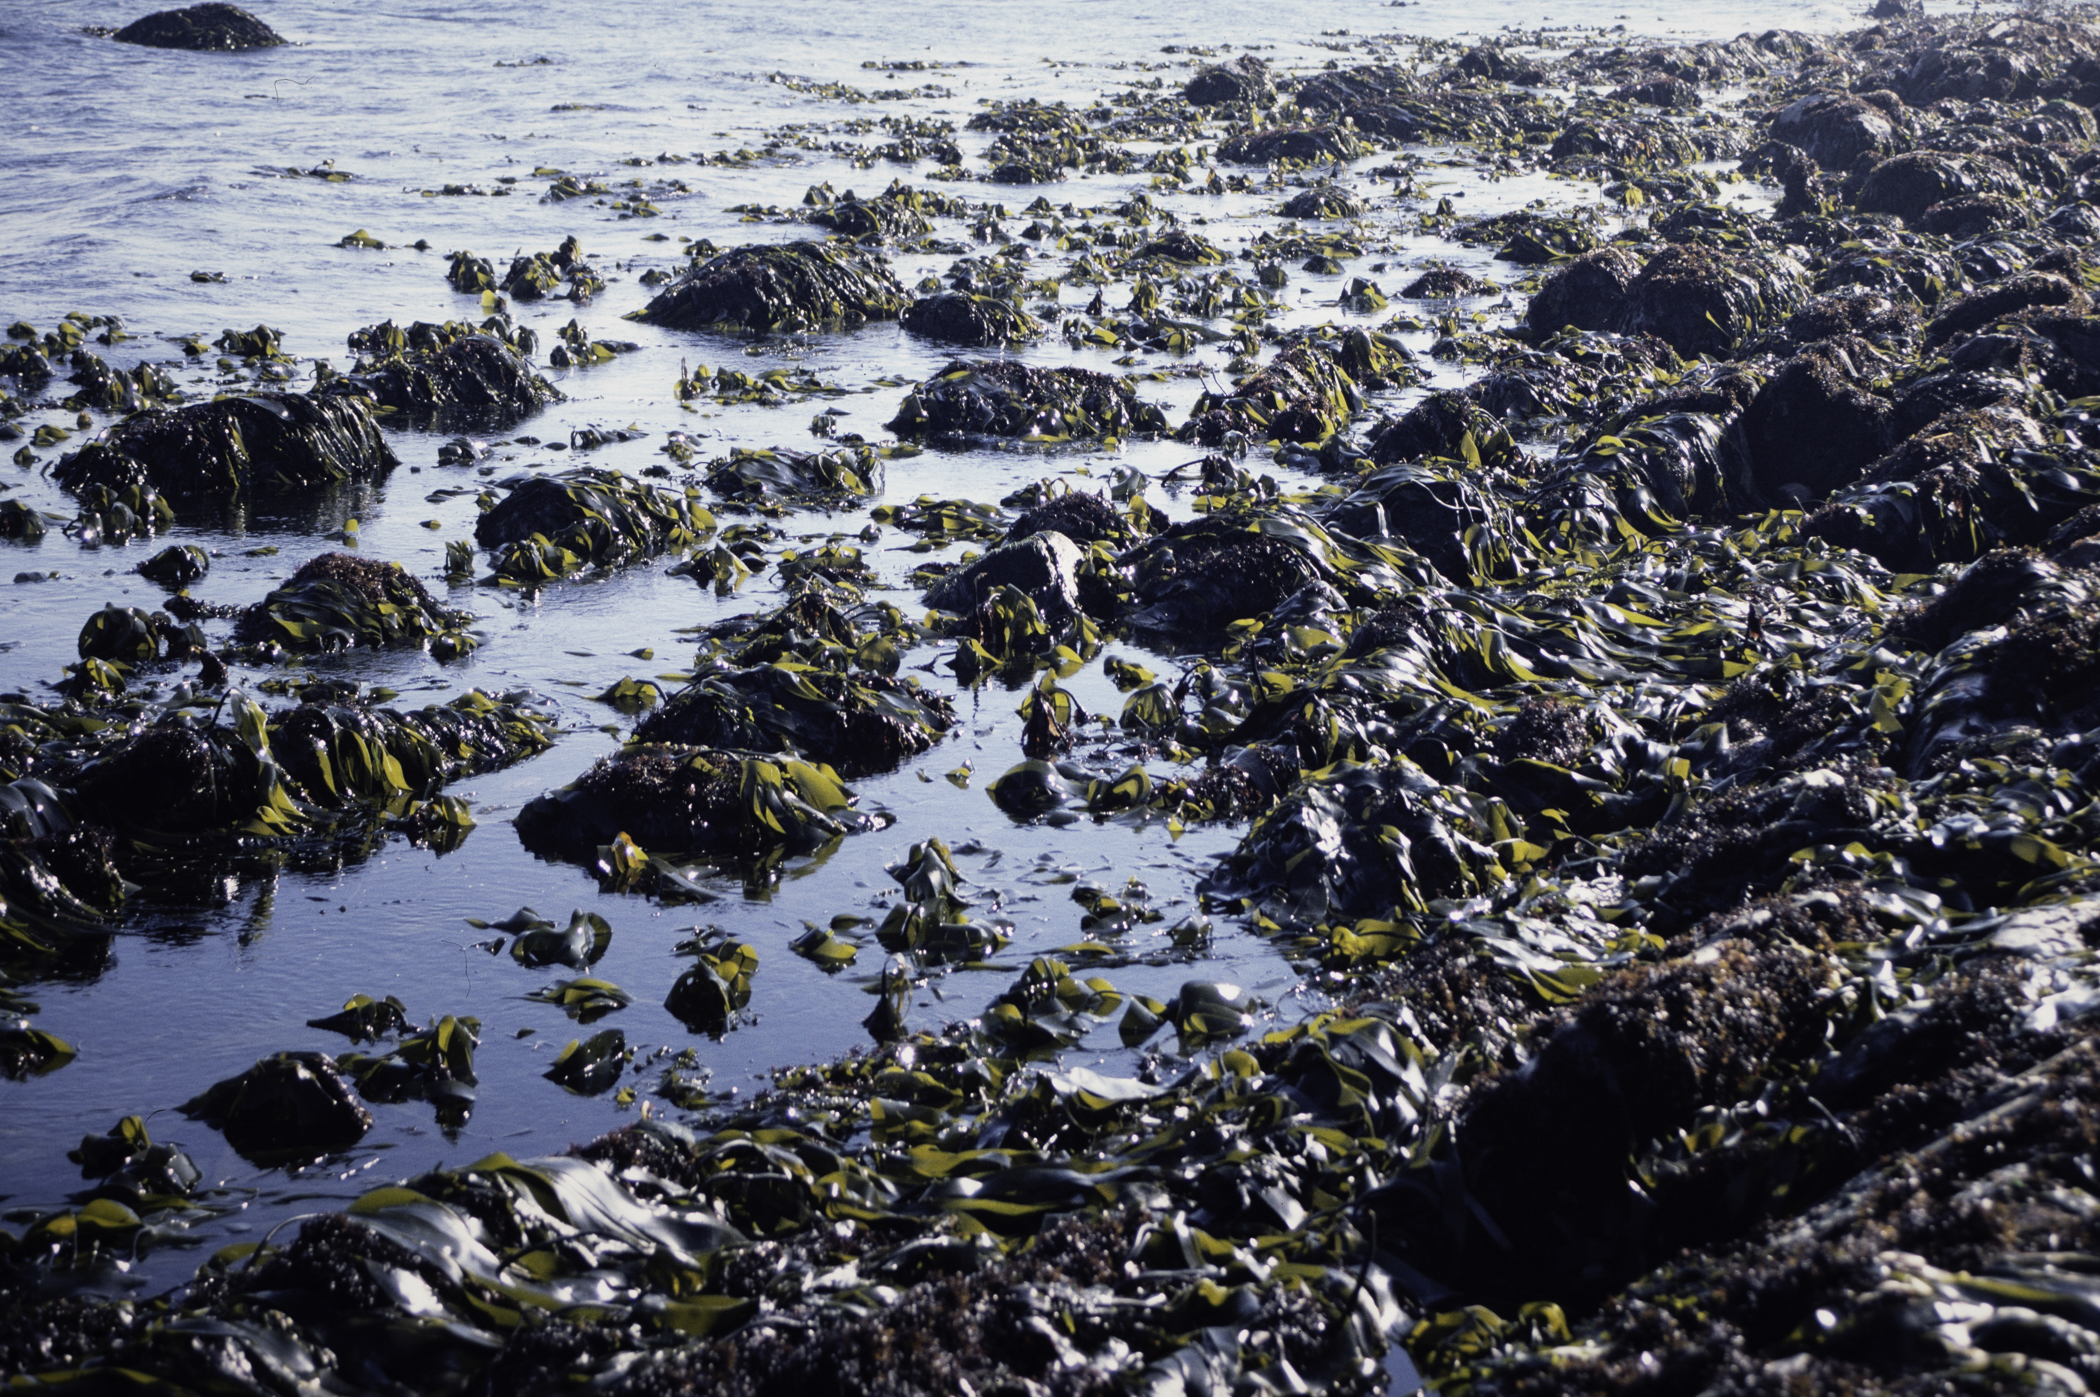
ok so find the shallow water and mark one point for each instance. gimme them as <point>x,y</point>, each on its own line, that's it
<point>129,169</point>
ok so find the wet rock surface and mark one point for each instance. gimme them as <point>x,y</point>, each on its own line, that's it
<point>210,26</point>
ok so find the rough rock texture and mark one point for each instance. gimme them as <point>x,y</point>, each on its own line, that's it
<point>211,26</point>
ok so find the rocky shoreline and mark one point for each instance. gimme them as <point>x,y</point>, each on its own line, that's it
<point>1673,751</point>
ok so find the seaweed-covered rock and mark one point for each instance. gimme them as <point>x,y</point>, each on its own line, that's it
<point>1667,92</point>
<point>858,723</point>
<point>1243,79</point>
<point>1973,216</point>
<point>287,1107</point>
<point>1441,283</point>
<point>1907,185</point>
<point>771,478</point>
<point>1433,509</point>
<point>234,447</point>
<point>1812,428</point>
<point>1640,141</point>
<point>474,379</point>
<point>1588,291</point>
<point>1005,398</point>
<point>959,317</point>
<point>1323,201</point>
<point>1307,393</point>
<point>1865,311</point>
<point>208,26</point>
<point>2003,298</point>
<point>794,286</point>
<point>1702,301</point>
<point>1081,516</point>
<point>600,517</point>
<point>1440,425</point>
<point>689,800</point>
<point>1836,129</point>
<point>1301,144</point>
<point>1207,573</point>
<point>1043,565</point>
<point>338,600</point>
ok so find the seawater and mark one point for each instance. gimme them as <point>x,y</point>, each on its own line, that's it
<point>128,169</point>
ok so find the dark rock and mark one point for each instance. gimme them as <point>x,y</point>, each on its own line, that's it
<point>1244,79</point>
<point>1441,282</point>
<point>1642,141</point>
<point>1045,566</point>
<point>234,447</point>
<point>212,26</point>
<point>1898,9</point>
<point>1437,427</point>
<point>1005,398</point>
<point>958,317</point>
<point>1852,310</point>
<point>1207,573</point>
<point>1972,217</point>
<point>685,800</point>
<point>858,723</point>
<point>1325,201</point>
<point>1080,516</point>
<point>1432,511</point>
<point>472,381</point>
<point>1305,144</point>
<point>1908,185</point>
<point>795,286</point>
<point>1180,245</point>
<point>1587,292</point>
<point>1836,129</point>
<point>1812,428</point>
<point>1307,393</point>
<point>2015,293</point>
<point>1671,94</point>
<point>1702,301</point>
<point>288,1106</point>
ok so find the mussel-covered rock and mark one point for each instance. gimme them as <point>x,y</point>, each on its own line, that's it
<point>1588,292</point>
<point>1206,573</point>
<point>1243,79</point>
<point>288,1106</point>
<point>234,447</point>
<point>959,317</point>
<point>689,800</point>
<point>208,26</point>
<point>858,723</point>
<point>794,286</point>
<point>1006,398</point>
<point>1702,301</point>
<point>475,379</point>
<point>1307,393</point>
<point>1907,185</point>
<point>1813,427</point>
<point>1835,129</point>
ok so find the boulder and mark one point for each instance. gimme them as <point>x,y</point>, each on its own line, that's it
<point>1587,291</point>
<point>204,27</point>
<point>288,1106</point>
<point>1835,128</point>
<point>795,286</point>
<point>1043,565</point>
<point>1812,428</point>
<point>1244,79</point>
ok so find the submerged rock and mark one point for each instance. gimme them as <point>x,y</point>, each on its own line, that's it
<point>793,286</point>
<point>290,1106</point>
<point>235,447</point>
<point>209,26</point>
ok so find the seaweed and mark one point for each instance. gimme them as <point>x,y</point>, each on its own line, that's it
<point>1005,398</point>
<point>335,601</point>
<point>234,447</point>
<point>449,376</point>
<point>551,525</point>
<point>797,286</point>
<point>1312,389</point>
<point>959,317</point>
<point>859,724</point>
